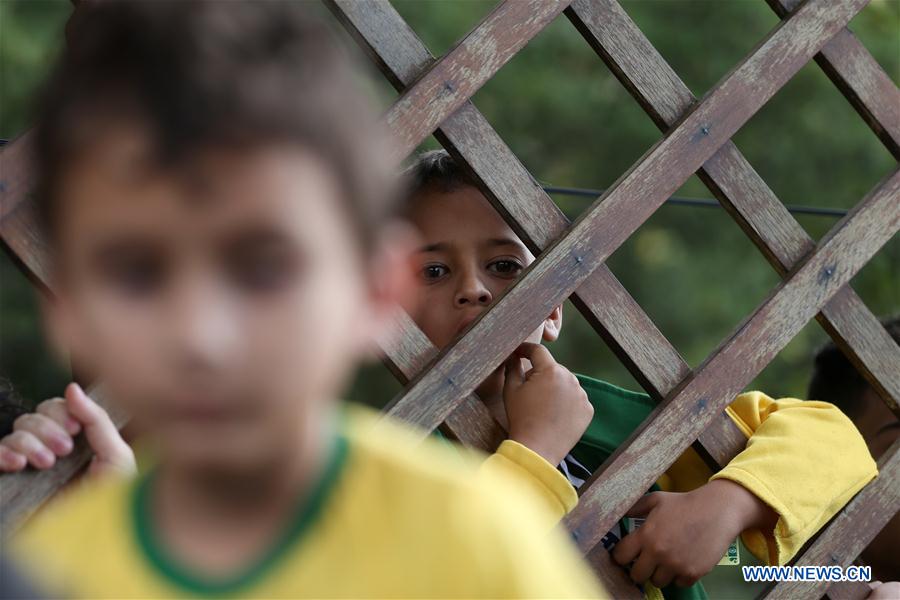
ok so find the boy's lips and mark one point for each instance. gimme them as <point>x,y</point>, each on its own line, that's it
<point>201,409</point>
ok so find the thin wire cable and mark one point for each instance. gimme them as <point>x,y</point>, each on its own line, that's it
<point>679,201</point>
<point>699,202</point>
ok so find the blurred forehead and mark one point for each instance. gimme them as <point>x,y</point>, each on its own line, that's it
<point>460,216</point>
<point>116,188</point>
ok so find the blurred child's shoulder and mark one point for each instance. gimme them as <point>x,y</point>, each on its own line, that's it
<point>411,483</point>
<point>393,446</point>
<point>426,475</point>
<point>90,517</point>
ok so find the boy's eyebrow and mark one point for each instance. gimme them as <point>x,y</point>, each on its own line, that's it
<point>501,241</point>
<point>112,249</point>
<point>256,237</point>
<point>438,247</point>
<point>505,241</point>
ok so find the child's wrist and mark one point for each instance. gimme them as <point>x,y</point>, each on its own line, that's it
<point>538,447</point>
<point>747,511</point>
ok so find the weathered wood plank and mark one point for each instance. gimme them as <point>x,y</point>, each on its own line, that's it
<point>406,352</point>
<point>18,226</point>
<point>15,174</point>
<point>466,67</point>
<point>856,73</point>
<point>606,305</point>
<point>842,540</point>
<point>653,447</point>
<point>620,211</point>
<point>728,175</point>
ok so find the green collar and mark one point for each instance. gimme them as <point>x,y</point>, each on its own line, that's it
<point>168,567</point>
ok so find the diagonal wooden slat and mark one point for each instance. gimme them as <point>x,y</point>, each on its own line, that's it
<point>652,448</point>
<point>619,212</point>
<point>407,351</point>
<point>465,68</point>
<point>860,78</point>
<point>728,175</point>
<point>852,529</point>
<point>18,226</point>
<point>604,302</point>
<point>14,173</point>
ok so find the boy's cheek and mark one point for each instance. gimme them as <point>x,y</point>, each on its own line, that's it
<point>306,345</point>
<point>435,323</point>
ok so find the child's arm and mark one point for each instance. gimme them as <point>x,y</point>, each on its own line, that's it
<point>805,459</point>
<point>548,412</point>
<point>802,463</point>
<point>40,437</point>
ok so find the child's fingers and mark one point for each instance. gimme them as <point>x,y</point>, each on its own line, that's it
<point>627,549</point>
<point>662,576</point>
<point>643,506</point>
<point>30,446</point>
<point>643,568</point>
<point>55,408</point>
<point>538,355</point>
<point>514,375</point>
<point>10,460</point>
<point>99,429</point>
<point>47,431</point>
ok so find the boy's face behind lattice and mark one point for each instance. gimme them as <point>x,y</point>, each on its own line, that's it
<point>222,303</point>
<point>469,256</point>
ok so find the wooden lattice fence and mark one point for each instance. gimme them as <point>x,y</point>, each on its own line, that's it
<point>435,98</point>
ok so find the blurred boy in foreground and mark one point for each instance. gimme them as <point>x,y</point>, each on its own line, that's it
<point>211,189</point>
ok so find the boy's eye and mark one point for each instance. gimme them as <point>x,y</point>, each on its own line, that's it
<point>505,268</point>
<point>136,276</point>
<point>262,272</point>
<point>434,272</point>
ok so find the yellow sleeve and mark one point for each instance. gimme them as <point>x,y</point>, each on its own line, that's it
<point>532,471</point>
<point>805,459</point>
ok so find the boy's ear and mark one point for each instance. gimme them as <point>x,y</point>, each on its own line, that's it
<point>552,325</point>
<point>392,276</point>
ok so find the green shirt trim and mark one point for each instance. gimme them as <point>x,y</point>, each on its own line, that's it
<point>306,516</point>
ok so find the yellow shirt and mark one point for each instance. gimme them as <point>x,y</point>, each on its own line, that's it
<point>393,517</point>
<point>805,459</point>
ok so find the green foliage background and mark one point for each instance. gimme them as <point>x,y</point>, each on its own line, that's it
<point>572,124</point>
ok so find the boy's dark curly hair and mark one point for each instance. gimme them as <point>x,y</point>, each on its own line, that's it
<point>204,74</point>
<point>433,170</point>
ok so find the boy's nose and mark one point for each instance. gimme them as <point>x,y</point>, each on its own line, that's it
<point>472,292</point>
<point>205,329</point>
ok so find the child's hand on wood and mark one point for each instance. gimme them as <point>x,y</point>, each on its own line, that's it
<point>548,411</point>
<point>40,437</point>
<point>686,534</point>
